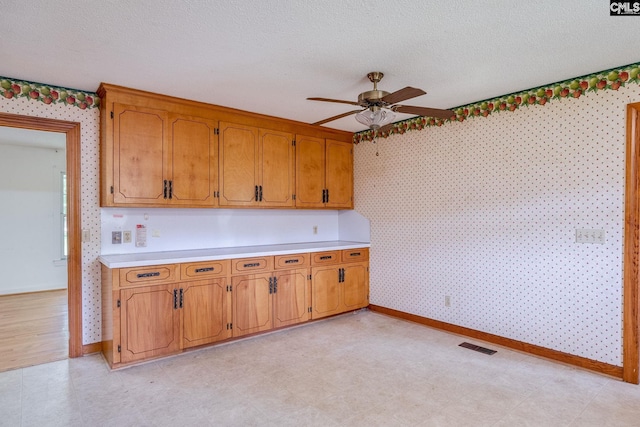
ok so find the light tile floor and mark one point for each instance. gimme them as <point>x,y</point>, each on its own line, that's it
<point>361,369</point>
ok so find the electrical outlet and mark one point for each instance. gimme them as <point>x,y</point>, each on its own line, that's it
<point>126,236</point>
<point>447,301</point>
<point>155,233</point>
<point>116,237</point>
<point>86,235</point>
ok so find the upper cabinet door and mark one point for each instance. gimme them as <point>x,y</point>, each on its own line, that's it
<point>339,174</point>
<point>310,172</point>
<point>277,159</point>
<point>238,165</point>
<point>140,155</point>
<point>194,161</point>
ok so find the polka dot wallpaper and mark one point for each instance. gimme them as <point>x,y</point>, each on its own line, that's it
<point>89,127</point>
<point>486,211</point>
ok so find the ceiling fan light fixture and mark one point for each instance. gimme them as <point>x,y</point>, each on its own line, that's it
<point>375,117</point>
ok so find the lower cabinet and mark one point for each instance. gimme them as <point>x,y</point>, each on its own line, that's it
<point>206,312</point>
<point>150,323</point>
<point>340,288</point>
<point>149,312</point>
<point>162,319</point>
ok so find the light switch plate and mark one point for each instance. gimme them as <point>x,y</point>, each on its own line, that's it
<point>584,235</point>
<point>116,237</point>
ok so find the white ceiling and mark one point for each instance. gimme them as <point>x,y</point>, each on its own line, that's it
<point>268,56</point>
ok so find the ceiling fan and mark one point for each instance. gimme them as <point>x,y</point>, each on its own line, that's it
<point>380,106</point>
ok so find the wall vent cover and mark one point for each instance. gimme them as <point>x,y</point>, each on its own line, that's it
<point>478,348</point>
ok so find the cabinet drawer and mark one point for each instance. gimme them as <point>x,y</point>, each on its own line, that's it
<point>252,265</point>
<point>291,261</point>
<point>202,270</point>
<point>355,255</point>
<point>325,258</point>
<point>155,275</point>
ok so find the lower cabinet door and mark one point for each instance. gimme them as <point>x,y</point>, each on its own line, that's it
<point>150,322</point>
<point>251,303</point>
<point>355,286</point>
<point>205,312</point>
<point>325,299</point>
<point>292,297</point>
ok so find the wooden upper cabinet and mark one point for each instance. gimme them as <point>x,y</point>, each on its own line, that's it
<point>238,165</point>
<point>194,161</point>
<point>160,151</point>
<point>256,167</point>
<point>163,159</point>
<point>276,173</point>
<point>310,172</point>
<point>339,174</point>
<point>324,173</point>
<point>140,155</point>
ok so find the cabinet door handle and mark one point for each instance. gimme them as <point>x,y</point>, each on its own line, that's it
<point>144,275</point>
<point>256,193</point>
<point>253,264</point>
<point>181,297</point>
<point>270,285</point>
<point>292,261</point>
<point>354,254</point>
<point>171,189</point>
<point>275,285</point>
<point>165,189</point>
<point>175,299</point>
<point>261,193</point>
<point>204,269</point>
<point>327,196</point>
<point>326,257</point>
<point>324,195</point>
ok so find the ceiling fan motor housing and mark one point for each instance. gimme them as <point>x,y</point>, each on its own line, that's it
<point>372,97</point>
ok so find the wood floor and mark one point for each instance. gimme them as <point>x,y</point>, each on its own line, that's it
<point>34,329</point>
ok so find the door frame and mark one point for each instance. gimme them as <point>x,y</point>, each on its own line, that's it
<point>630,279</point>
<point>74,257</point>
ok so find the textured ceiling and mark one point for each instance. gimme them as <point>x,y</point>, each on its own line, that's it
<point>268,56</point>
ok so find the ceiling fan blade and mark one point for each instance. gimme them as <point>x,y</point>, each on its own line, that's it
<point>339,116</point>
<point>333,100</point>
<point>424,111</point>
<point>403,94</point>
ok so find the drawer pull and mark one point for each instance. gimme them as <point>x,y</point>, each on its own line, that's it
<point>143,275</point>
<point>354,254</point>
<point>292,261</point>
<point>253,264</point>
<point>204,269</point>
<point>326,257</point>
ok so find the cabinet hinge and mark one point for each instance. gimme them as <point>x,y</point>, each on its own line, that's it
<point>119,349</point>
<point>309,277</point>
<point>229,288</point>
<point>293,142</point>
<point>309,310</point>
<point>216,131</point>
<point>118,304</point>
<point>294,196</point>
<point>112,114</point>
<point>111,189</point>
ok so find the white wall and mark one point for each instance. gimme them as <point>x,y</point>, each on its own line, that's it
<point>30,222</point>
<point>485,211</point>
<point>178,229</point>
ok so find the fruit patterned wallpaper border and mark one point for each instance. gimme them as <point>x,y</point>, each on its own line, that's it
<point>611,79</point>
<point>50,95</point>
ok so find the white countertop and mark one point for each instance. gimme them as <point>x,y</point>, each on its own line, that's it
<point>195,255</point>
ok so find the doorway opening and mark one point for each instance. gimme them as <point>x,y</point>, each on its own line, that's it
<point>71,130</point>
